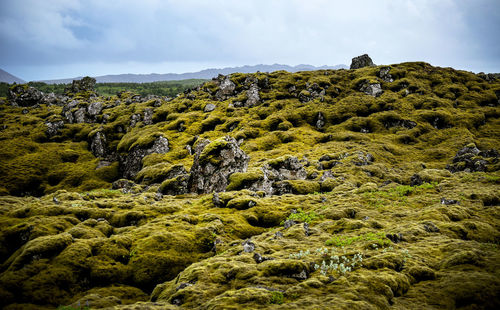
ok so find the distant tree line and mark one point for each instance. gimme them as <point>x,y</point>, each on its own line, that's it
<point>164,88</point>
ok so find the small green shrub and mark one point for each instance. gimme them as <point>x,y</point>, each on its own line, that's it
<point>376,238</point>
<point>277,298</point>
<point>301,216</point>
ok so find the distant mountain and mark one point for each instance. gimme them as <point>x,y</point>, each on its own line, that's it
<point>9,78</point>
<point>204,74</point>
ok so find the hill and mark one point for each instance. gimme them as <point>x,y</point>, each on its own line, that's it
<point>370,188</point>
<point>204,74</point>
<point>6,77</point>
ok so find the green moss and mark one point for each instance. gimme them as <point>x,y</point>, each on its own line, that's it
<point>241,180</point>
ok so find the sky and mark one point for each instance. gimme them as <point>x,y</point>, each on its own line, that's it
<point>49,39</point>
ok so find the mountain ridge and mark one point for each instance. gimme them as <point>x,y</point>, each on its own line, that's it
<point>6,77</point>
<point>202,74</point>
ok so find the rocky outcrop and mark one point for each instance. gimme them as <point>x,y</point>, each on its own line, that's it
<point>213,163</point>
<point>385,75</point>
<point>253,97</point>
<point>131,164</point>
<point>53,128</point>
<point>226,88</point>
<point>98,144</point>
<point>471,159</point>
<point>24,95</point>
<point>361,61</point>
<point>85,84</point>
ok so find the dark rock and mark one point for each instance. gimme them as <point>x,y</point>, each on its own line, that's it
<point>24,96</point>
<point>361,61</point>
<point>259,258</point>
<point>289,223</point>
<point>399,123</point>
<point>55,200</point>
<point>209,107</point>
<point>278,235</point>
<point>363,159</point>
<point>306,229</point>
<point>175,186</point>
<point>123,184</point>
<point>396,238</point>
<point>248,246</point>
<point>385,75</point>
<point>85,84</point>
<point>431,227</point>
<point>416,180</point>
<point>131,164</point>
<point>53,128</point>
<point>300,276</point>
<point>182,286</point>
<point>471,159</point>
<point>320,121</point>
<point>253,97</point>
<point>447,202</point>
<point>373,90</point>
<point>98,144</point>
<point>52,99</point>
<point>213,164</point>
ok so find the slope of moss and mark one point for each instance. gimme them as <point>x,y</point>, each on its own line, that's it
<point>386,215</point>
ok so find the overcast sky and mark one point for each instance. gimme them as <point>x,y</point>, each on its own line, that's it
<point>47,39</point>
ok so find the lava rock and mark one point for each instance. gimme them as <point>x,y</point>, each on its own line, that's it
<point>385,75</point>
<point>253,97</point>
<point>226,88</point>
<point>320,121</point>
<point>148,116</point>
<point>53,128</point>
<point>98,144</point>
<point>448,202</point>
<point>213,163</point>
<point>209,107</point>
<point>131,164</point>
<point>416,180</point>
<point>85,84</point>
<point>373,90</point>
<point>361,61</point>
<point>24,96</point>
<point>248,246</point>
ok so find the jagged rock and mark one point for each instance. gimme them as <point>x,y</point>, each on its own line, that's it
<point>471,159</point>
<point>448,202</point>
<point>320,122</point>
<point>416,180</point>
<point>373,90</point>
<point>123,184</point>
<point>289,223</point>
<point>80,116</point>
<point>209,107</point>
<point>248,246</point>
<point>53,128</point>
<point>94,109</point>
<point>328,174</point>
<point>306,229</point>
<point>363,159</point>
<point>253,97</point>
<point>134,119</point>
<point>213,164</point>
<point>98,144</point>
<point>385,75</point>
<point>399,123</point>
<point>148,116</point>
<point>361,61</point>
<point>52,98</point>
<point>24,95</point>
<point>226,88</point>
<point>175,186</point>
<point>396,238</point>
<point>85,84</point>
<point>131,164</point>
<point>431,227</point>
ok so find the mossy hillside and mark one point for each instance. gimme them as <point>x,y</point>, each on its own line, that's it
<point>188,250</point>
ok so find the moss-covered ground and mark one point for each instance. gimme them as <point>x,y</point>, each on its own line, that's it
<point>357,233</point>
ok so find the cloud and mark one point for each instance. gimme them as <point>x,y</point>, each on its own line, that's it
<point>78,32</point>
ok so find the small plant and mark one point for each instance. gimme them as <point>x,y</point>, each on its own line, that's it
<point>299,255</point>
<point>277,298</point>
<point>340,265</point>
<point>301,216</point>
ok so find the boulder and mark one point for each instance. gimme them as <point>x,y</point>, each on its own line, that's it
<point>213,163</point>
<point>24,96</point>
<point>385,75</point>
<point>320,121</point>
<point>94,109</point>
<point>471,159</point>
<point>131,164</point>
<point>98,144</point>
<point>253,97</point>
<point>372,89</point>
<point>209,107</point>
<point>226,88</point>
<point>361,61</point>
<point>85,84</point>
<point>53,128</point>
<point>148,116</point>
